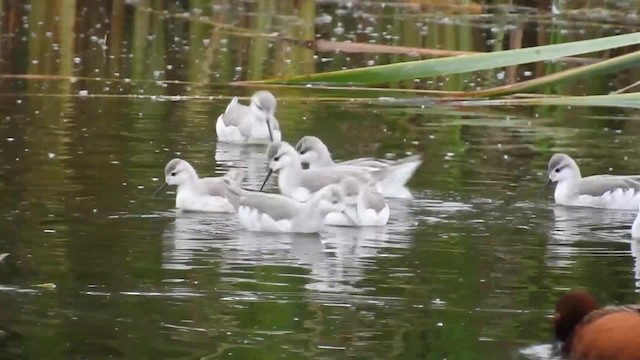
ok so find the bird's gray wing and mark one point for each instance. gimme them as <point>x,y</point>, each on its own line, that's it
<point>316,179</point>
<point>233,191</point>
<point>373,199</point>
<point>235,113</point>
<point>368,162</point>
<point>372,162</point>
<point>277,206</point>
<point>599,184</point>
<point>400,171</point>
<point>215,186</point>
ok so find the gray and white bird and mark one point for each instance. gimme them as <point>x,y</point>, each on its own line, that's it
<point>364,206</point>
<point>258,211</point>
<point>600,191</point>
<point>209,194</point>
<point>316,155</point>
<point>300,184</point>
<point>253,124</point>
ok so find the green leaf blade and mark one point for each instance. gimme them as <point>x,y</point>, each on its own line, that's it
<point>460,64</point>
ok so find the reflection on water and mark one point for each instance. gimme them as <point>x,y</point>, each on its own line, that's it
<point>571,225</point>
<point>541,352</point>
<point>572,222</point>
<point>605,230</point>
<point>190,236</point>
<point>251,158</point>
<point>635,252</point>
<point>335,260</point>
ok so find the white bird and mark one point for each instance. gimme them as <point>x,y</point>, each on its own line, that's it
<point>364,206</point>
<point>199,194</point>
<point>253,124</point>
<point>316,154</point>
<point>600,191</point>
<point>300,184</point>
<point>635,228</point>
<point>258,211</point>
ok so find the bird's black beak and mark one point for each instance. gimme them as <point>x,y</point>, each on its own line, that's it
<point>266,178</point>
<point>159,189</point>
<point>349,217</point>
<point>546,186</point>
<point>269,127</point>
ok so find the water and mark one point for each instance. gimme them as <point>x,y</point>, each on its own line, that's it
<point>470,268</point>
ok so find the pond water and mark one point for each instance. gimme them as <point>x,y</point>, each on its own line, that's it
<point>469,269</point>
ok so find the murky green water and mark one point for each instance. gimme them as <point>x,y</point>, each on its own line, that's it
<point>469,269</point>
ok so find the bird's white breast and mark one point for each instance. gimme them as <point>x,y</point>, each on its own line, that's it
<point>255,220</point>
<point>370,217</point>
<point>622,199</point>
<point>188,200</point>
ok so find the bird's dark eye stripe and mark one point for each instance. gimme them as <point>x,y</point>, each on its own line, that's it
<point>174,173</point>
<point>276,158</point>
<point>302,151</point>
<point>558,169</point>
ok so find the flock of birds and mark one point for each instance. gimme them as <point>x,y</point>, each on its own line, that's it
<point>316,191</point>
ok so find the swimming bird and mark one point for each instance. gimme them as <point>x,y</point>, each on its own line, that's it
<point>300,184</point>
<point>635,228</point>
<point>601,191</point>
<point>253,124</point>
<point>258,211</point>
<point>590,332</point>
<point>364,206</point>
<point>199,194</point>
<point>316,154</point>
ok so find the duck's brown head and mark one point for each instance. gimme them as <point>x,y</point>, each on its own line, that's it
<point>570,310</point>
